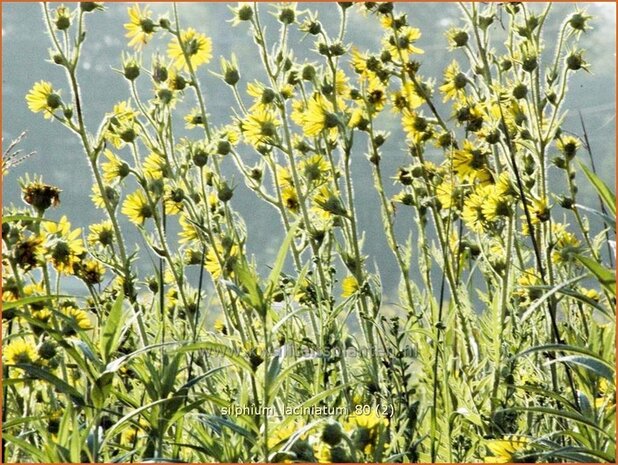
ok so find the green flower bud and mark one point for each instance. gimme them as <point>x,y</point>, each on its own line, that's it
<point>287,15</point>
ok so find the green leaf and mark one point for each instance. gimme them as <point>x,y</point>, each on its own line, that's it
<point>608,197</point>
<point>606,277</point>
<point>101,389</point>
<point>34,451</point>
<point>15,218</point>
<point>220,349</point>
<point>593,364</point>
<point>273,277</point>
<point>32,300</point>
<point>553,290</point>
<point>59,384</point>
<point>110,336</point>
<point>565,414</point>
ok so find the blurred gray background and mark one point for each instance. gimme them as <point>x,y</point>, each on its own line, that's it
<point>61,161</point>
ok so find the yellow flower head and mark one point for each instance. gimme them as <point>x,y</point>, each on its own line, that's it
<point>506,450</point>
<point>290,199</point>
<point>188,230</point>
<point>474,205</point>
<point>192,46</point>
<point>91,271</point>
<point>101,233</point>
<point>404,43</point>
<point>349,286</point>
<point>416,127</point>
<point>114,168</point>
<point>318,116</point>
<point>366,429</point>
<point>154,166</point>
<point>65,247</point>
<point>220,259</point>
<point>470,162</point>
<point>20,351</point>
<point>75,319</point>
<point>137,208</point>
<point>43,98</point>
<point>140,27</point>
<point>454,82</point>
<point>260,127</point>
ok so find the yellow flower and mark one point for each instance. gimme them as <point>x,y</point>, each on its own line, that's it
<point>64,246</point>
<point>122,128</point>
<point>101,233</point>
<point>566,244</point>
<point>539,211</point>
<point>264,98</point>
<point>454,82</point>
<point>506,450</point>
<point>472,214</point>
<point>496,205</point>
<point>314,168</point>
<point>470,163</point>
<point>220,259</point>
<point>91,271</point>
<point>290,199</point>
<point>173,198</point>
<point>376,95</point>
<point>366,428</point>
<point>528,278</point>
<point>75,319</point>
<point>42,98</point>
<point>404,43</point>
<point>60,228</point>
<point>137,208</point>
<point>260,127</point>
<point>220,326</point>
<point>318,116</point>
<point>188,231</point>
<point>605,395</point>
<point>448,193</point>
<point>329,202</point>
<point>194,119</point>
<point>20,351</point>
<point>140,27</point>
<point>416,126</point>
<point>114,168</point>
<point>568,145</point>
<point>194,46</point>
<point>154,166</point>
<point>406,98</point>
<point>359,61</point>
<point>349,286</point>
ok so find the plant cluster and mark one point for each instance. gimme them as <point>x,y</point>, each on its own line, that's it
<point>511,317</point>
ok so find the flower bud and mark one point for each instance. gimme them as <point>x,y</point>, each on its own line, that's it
<point>245,13</point>
<point>520,91</point>
<point>224,192</point>
<point>332,433</point>
<point>223,147</point>
<point>287,15</point>
<point>131,70</point>
<point>529,63</point>
<point>200,158</point>
<point>566,203</point>
<point>575,61</point>
<point>90,6</point>
<point>385,8</point>
<point>159,72</point>
<point>308,73</point>
<point>578,21</point>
